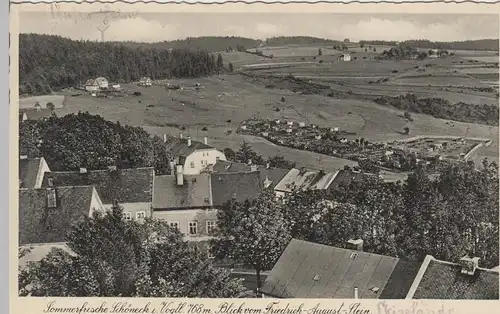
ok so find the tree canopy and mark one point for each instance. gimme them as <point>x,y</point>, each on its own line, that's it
<point>48,63</point>
<point>85,140</point>
<point>252,233</point>
<point>117,258</point>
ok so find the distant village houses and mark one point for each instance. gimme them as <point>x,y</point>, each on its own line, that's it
<point>345,57</point>
<point>94,85</point>
<point>145,81</point>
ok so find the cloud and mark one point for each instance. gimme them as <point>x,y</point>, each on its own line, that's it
<point>139,29</point>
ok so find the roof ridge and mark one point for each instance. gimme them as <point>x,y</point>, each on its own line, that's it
<point>418,278</point>
<point>102,170</point>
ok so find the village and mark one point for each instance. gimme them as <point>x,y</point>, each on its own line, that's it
<point>281,168</point>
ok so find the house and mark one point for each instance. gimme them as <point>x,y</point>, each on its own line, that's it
<point>131,188</point>
<point>465,280</point>
<point>34,114</point>
<point>303,179</point>
<point>145,81</point>
<point>194,156</point>
<point>94,85</point>
<point>102,82</point>
<point>91,85</point>
<point>47,214</point>
<point>116,87</point>
<point>269,176</point>
<point>185,202</point>
<point>345,57</point>
<point>31,172</point>
<point>310,270</point>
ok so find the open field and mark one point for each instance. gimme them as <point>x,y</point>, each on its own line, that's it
<point>29,102</point>
<point>235,98</point>
<point>221,103</point>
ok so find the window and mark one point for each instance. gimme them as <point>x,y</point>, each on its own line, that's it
<point>51,198</point>
<point>127,216</point>
<point>140,215</point>
<point>192,164</point>
<point>353,255</point>
<point>217,158</point>
<point>193,227</point>
<point>210,227</point>
<point>174,225</point>
<point>202,162</point>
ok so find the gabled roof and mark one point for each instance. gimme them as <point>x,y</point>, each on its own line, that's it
<point>195,192</point>
<point>36,114</point>
<point>29,171</point>
<point>310,270</point>
<point>134,185</point>
<point>272,174</point>
<point>345,177</point>
<point>238,186</point>
<point>443,280</point>
<point>91,82</point>
<point>179,147</point>
<point>40,224</point>
<point>299,180</point>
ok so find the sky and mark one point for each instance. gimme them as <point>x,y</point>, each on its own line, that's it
<point>154,27</point>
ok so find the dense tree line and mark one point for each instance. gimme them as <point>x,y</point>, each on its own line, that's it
<point>85,140</point>
<point>118,258</point>
<point>402,52</point>
<point>481,44</point>
<point>209,43</point>
<point>299,40</point>
<point>443,109</point>
<point>48,63</point>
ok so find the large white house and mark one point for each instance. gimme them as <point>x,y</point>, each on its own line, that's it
<point>194,156</point>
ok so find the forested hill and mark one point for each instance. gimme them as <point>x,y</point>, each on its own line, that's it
<point>48,63</point>
<point>299,40</point>
<point>481,44</point>
<point>210,43</point>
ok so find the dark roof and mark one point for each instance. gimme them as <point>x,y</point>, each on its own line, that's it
<point>28,171</point>
<point>272,174</point>
<point>238,186</point>
<point>443,280</point>
<point>345,177</point>
<point>195,192</point>
<point>179,147</point>
<point>39,251</point>
<point>40,224</point>
<point>337,273</point>
<point>134,185</point>
<point>33,114</point>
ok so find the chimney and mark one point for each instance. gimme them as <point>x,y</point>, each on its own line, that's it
<point>205,140</point>
<point>469,265</point>
<point>267,182</point>
<point>355,244</point>
<point>356,293</point>
<point>253,168</point>
<point>189,141</point>
<point>249,162</point>
<point>172,167</point>
<point>83,170</point>
<point>164,138</point>
<point>268,165</point>
<point>179,173</point>
<point>180,136</point>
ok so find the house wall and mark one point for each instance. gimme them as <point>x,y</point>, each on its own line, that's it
<point>200,159</point>
<point>133,209</point>
<point>96,203</point>
<point>91,88</point>
<point>184,216</point>
<point>42,169</point>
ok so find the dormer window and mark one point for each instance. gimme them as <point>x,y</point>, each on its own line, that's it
<point>51,198</point>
